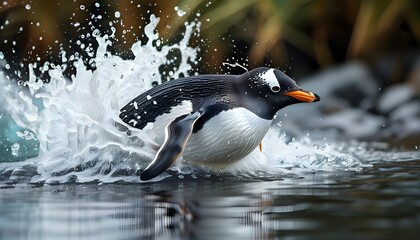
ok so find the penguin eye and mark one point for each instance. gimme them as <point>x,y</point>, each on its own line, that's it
<point>275,89</point>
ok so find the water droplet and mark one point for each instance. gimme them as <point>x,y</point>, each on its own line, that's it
<point>27,7</point>
<point>96,33</point>
<point>15,149</point>
<point>117,14</point>
<point>97,5</point>
<point>82,7</point>
<point>76,24</point>
<point>316,146</point>
<point>1,55</point>
<point>7,66</point>
<point>179,11</point>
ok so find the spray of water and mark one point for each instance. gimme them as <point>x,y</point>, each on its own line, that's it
<point>80,135</point>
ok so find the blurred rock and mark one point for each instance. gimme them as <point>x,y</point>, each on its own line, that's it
<point>405,120</point>
<point>394,97</point>
<point>348,95</point>
<point>401,104</point>
<point>354,123</point>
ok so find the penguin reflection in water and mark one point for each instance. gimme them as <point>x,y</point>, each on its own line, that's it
<point>213,120</point>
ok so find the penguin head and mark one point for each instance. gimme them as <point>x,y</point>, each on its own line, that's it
<point>266,90</point>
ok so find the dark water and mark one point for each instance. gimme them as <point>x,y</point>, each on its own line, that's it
<point>382,202</point>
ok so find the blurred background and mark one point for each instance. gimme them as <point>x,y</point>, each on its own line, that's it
<point>361,57</point>
<point>299,36</point>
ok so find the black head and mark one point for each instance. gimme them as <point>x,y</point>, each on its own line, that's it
<point>264,91</point>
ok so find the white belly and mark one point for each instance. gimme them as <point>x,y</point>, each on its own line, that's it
<point>234,134</point>
<point>158,127</point>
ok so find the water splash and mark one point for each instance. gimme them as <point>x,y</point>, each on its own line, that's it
<point>77,123</point>
<point>235,65</point>
<point>81,138</point>
<point>179,11</point>
<point>15,149</point>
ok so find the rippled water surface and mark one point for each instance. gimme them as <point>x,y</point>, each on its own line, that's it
<point>382,202</point>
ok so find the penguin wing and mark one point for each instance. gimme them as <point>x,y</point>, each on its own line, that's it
<point>159,100</point>
<point>176,136</point>
<point>155,102</point>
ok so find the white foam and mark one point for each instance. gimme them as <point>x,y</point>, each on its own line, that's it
<point>76,125</point>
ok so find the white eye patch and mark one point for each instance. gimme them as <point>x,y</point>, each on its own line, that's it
<point>270,79</point>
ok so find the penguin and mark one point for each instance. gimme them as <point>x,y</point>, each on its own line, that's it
<point>213,119</point>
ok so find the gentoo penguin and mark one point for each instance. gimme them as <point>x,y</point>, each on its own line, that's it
<point>212,120</point>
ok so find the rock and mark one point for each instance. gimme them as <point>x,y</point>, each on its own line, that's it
<point>405,120</point>
<point>346,93</point>
<point>354,123</point>
<point>352,106</point>
<point>393,97</point>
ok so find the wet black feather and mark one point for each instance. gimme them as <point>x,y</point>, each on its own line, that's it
<point>160,99</point>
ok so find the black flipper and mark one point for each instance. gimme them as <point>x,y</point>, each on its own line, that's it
<point>176,137</point>
<point>151,104</point>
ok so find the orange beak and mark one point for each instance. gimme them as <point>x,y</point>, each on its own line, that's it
<point>303,96</point>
